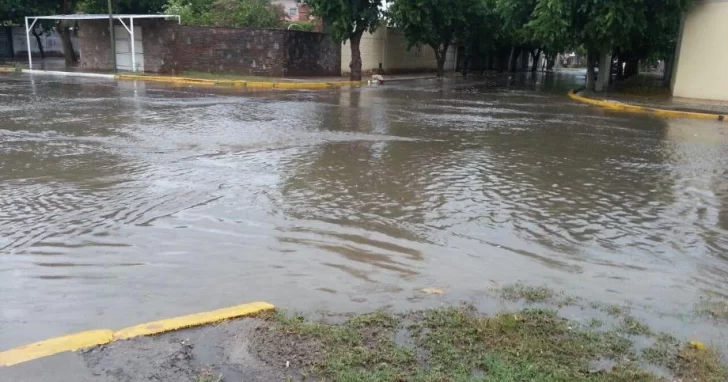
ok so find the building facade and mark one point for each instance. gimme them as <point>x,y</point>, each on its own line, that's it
<point>386,50</point>
<point>702,53</point>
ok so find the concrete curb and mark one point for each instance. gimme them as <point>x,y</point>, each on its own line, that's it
<point>240,83</point>
<point>618,106</point>
<point>91,338</point>
<point>69,74</point>
<point>197,81</point>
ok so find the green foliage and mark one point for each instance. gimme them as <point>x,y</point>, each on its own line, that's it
<point>122,6</point>
<point>433,22</point>
<point>13,12</point>
<point>226,13</point>
<point>347,19</point>
<point>619,25</point>
<point>301,26</point>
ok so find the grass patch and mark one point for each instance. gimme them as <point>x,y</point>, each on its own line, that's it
<point>612,310</point>
<point>460,344</point>
<point>702,365</point>
<point>716,309</point>
<point>230,76</point>
<point>664,352</point>
<point>528,293</point>
<point>633,326</point>
<point>208,375</point>
<point>644,85</point>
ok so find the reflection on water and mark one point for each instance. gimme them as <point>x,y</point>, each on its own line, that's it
<point>121,203</point>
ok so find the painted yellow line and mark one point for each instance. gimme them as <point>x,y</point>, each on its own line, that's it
<point>7,70</point>
<point>198,319</point>
<point>239,83</point>
<point>57,345</point>
<point>619,106</point>
<point>91,338</point>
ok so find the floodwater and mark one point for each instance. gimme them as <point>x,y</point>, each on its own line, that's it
<point>122,203</point>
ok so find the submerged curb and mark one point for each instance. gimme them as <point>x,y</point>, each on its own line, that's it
<point>239,83</point>
<point>619,106</point>
<point>91,338</point>
<point>197,81</point>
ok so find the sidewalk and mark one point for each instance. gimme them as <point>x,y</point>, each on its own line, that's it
<point>663,106</point>
<point>58,67</point>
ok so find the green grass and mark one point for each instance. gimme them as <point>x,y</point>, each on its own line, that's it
<point>528,293</point>
<point>207,375</point>
<point>631,325</point>
<point>714,308</point>
<point>612,310</point>
<point>460,344</point>
<point>230,76</point>
<point>644,85</point>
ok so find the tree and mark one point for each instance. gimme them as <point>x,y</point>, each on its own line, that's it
<point>481,38</point>
<point>227,13</point>
<point>432,22</point>
<point>515,16</point>
<point>629,28</point>
<point>347,20</point>
<point>122,6</point>
<point>13,12</point>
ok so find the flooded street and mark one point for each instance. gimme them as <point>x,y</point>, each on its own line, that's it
<point>125,202</point>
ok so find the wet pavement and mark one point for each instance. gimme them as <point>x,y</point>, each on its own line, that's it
<point>124,202</point>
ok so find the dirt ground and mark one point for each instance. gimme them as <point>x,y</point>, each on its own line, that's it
<point>224,352</point>
<point>539,341</point>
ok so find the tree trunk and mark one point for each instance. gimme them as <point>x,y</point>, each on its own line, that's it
<point>550,61</point>
<point>631,68</point>
<point>40,44</point>
<point>604,66</point>
<point>667,74</point>
<point>590,70</point>
<point>467,55</point>
<point>512,58</point>
<point>525,54</point>
<point>536,57</point>
<point>68,52</point>
<point>355,65</point>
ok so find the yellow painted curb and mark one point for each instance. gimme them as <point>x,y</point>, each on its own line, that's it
<point>198,319</point>
<point>91,338</point>
<point>56,345</point>
<point>239,83</point>
<point>619,106</point>
<point>7,70</point>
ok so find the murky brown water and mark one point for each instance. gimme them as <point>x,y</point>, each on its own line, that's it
<point>121,203</point>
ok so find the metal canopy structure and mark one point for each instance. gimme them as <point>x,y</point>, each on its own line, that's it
<point>31,20</point>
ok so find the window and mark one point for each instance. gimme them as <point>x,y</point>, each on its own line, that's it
<point>292,12</point>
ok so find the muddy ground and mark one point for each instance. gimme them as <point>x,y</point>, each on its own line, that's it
<point>222,352</point>
<point>542,336</point>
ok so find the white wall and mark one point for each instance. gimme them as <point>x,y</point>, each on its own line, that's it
<point>51,43</point>
<point>389,47</point>
<point>703,53</point>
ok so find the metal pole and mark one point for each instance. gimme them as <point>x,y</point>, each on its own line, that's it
<point>133,52</point>
<point>27,41</point>
<point>113,38</point>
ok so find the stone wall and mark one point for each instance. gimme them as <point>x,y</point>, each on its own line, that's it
<point>172,49</point>
<point>312,54</point>
<point>94,45</point>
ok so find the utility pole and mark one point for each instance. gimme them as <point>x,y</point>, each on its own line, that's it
<point>113,38</point>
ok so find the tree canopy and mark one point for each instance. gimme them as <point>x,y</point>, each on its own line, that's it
<point>433,22</point>
<point>346,21</point>
<point>630,30</point>
<point>227,13</point>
